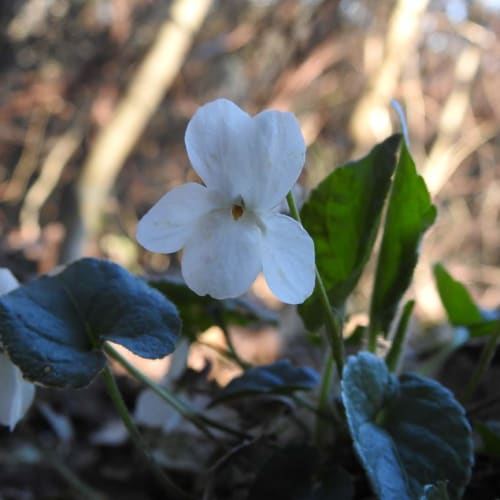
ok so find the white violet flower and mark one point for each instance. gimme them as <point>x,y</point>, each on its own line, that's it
<point>230,228</point>
<point>16,394</point>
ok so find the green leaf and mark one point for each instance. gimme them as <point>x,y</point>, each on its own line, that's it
<point>490,437</point>
<point>485,328</point>
<point>54,327</point>
<point>201,312</point>
<point>461,309</point>
<point>409,214</point>
<point>342,216</point>
<point>408,432</point>
<point>459,306</point>
<point>277,378</point>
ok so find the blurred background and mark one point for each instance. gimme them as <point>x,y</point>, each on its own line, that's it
<point>95,96</point>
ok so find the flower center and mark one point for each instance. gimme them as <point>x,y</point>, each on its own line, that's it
<point>237,211</point>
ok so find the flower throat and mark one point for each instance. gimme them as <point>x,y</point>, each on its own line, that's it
<point>237,211</point>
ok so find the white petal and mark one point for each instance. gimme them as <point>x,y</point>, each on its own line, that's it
<point>288,259</point>
<point>16,395</point>
<point>217,143</point>
<point>170,222</point>
<point>280,153</point>
<point>7,281</point>
<point>222,258</point>
<point>258,159</point>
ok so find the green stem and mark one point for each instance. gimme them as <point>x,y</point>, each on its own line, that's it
<point>115,395</point>
<point>200,421</point>
<point>484,362</point>
<point>333,325</point>
<point>324,395</point>
<point>307,405</point>
<point>372,337</point>
<point>396,349</point>
<point>326,383</point>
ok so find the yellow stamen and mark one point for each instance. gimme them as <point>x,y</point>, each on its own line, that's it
<point>237,211</point>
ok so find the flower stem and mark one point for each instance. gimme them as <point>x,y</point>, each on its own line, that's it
<point>372,337</point>
<point>333,327</point>
<point>482,366</point>
<point>115,395</point>
<point>197,419</point>
<point>324,395</point>
<point>333,323</point>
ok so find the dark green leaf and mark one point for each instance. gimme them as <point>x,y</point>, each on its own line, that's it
<point>201,312</point>
<point>408,432</point>
<point>277,378</point>
<point>485,328</point>
<point>54,327</point>
<point>342,216</point>
<point>409,214</point>
<point>490,437</point>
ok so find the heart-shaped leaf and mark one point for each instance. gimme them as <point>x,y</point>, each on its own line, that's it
<point>277,378</point>
<point>409,214</point>
<point>54,327</point>
<point>342,216</point>
<point>408,432</point>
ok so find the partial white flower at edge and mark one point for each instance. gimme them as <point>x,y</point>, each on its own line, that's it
<point>16,395</point>
<point>230,227</point>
